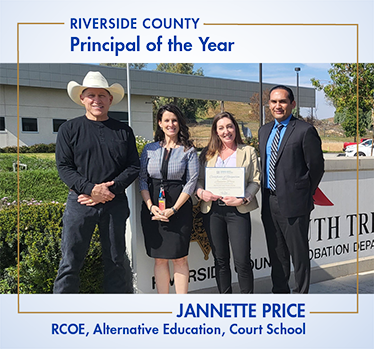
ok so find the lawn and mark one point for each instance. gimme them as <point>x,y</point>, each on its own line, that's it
<point>39,182</point>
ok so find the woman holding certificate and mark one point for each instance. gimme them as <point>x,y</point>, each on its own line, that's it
<point>168,176</point>
<point>226,216</point>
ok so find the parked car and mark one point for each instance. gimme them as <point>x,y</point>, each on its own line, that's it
<point>346,144</point>
<point>364,149</point>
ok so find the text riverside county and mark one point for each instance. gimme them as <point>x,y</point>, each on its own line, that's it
<point>132,23</point>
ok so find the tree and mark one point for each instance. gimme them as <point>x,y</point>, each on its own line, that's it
<point>179,68</point>
<point>349,121</point>
<point>191,108</point>
<point>124,65</point>
<point>255,102</point>
<point>340,116</point>
<point>342,92</point>
<point>255,110</point>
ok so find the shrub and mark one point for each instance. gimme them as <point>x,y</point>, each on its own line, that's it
<point>51,148</point>
<point>36,148</point>
<point>140,143</point>
<point>42,148</point>
<point>254,143</point>
<point>8,150</point>
<point>40,237</point>
<point>40,227</point>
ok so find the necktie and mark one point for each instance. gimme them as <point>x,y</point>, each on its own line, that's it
<point>273,157</point>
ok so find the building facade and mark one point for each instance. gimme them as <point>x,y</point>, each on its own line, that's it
<point>44,103</point>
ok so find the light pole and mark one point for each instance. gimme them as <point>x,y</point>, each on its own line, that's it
<point>262,122</point>
<point>297,69</point>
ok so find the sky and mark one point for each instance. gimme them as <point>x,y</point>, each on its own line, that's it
<point>274,73</point>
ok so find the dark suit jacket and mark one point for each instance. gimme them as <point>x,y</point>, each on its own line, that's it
<point>299,167</point>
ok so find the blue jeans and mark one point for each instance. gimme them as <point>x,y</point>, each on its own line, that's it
<point>79,222</point>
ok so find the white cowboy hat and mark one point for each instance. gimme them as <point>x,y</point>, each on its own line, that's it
<point>94,79</point>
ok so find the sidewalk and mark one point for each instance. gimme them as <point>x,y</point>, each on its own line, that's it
<point>341,285</point>
<point>346,284</point>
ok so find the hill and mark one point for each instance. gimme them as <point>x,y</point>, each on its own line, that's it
<point>332,134</point>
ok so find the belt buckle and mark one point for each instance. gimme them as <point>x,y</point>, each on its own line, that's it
<point>220,203</point>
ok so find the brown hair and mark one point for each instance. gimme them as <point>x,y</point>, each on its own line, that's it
<point>215,143</point>
<point>183,134</point>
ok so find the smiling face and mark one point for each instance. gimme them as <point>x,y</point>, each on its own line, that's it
<point>226,131</point>
<point>280,104</point>
<point>97,102</point>
<point>169,124</point>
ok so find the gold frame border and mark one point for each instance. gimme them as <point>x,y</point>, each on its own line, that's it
<point>209,24</point>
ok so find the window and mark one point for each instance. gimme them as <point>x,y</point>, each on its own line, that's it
<point>122,116</point>
<point>29,125</point>
<point>2,123</point>
<point>57,123</point>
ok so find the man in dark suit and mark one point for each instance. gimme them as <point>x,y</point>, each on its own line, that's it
<point>292,166</point>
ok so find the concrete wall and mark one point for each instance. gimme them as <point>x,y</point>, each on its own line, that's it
<point>332,233</point>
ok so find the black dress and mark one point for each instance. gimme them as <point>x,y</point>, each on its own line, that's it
<point>167,240</point>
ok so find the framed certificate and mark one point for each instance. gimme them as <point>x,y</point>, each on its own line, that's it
<point>225,181</point>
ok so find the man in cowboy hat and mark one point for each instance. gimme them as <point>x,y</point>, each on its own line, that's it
<point>96,157</point>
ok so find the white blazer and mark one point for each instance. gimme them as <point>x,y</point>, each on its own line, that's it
<point>245,157</point>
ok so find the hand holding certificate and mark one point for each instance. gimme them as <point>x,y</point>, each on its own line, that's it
<point>225,181</point>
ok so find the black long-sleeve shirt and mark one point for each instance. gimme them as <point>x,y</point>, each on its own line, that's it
<point>92,152</point>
